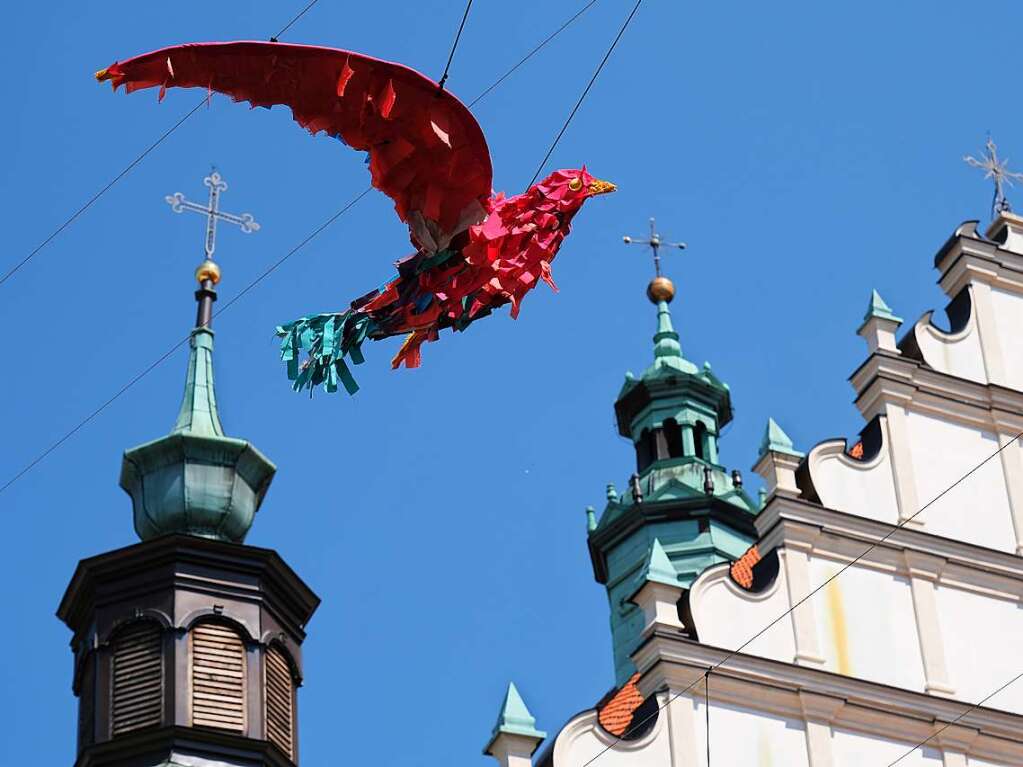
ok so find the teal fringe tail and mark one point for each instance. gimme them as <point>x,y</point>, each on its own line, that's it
<point>327,340</point>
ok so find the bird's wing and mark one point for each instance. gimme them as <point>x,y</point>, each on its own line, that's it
<point>426,150</point>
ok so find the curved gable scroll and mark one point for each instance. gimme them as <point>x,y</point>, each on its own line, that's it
<point>862,486</point>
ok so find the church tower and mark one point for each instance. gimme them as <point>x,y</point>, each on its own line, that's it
<point>683,511</point>
<point>187,646</point>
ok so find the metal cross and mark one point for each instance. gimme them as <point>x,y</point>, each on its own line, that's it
<point>656,243</point>
<point>212,211</point>
<point>997,169</point>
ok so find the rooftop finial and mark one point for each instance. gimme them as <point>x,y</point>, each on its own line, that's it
<point>660,287</point>
<point>996,169</point>
<point>208,272</point>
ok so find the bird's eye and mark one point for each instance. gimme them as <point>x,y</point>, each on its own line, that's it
<point>575,184</point>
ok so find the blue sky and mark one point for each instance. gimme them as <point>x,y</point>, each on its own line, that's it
<point>806,151</point>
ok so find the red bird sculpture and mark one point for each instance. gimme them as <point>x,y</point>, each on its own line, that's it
<point>475,250</point>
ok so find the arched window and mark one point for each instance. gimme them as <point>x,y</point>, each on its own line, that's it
<point>280,701</point>
<point>700,439</point>
<point>218,677</point>
<point>136,678</point>
<point>673,436</point>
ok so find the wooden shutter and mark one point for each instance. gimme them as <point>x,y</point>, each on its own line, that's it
<point>280,701</point>
<point>137,678</point>
<point>218,677</point>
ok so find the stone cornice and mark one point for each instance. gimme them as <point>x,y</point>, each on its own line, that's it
<point>178,561</point>
<point>772,687</point>
<point>967,257</point>
<point>885,377</point>
<point>906,551</point>
<point>640,514</point>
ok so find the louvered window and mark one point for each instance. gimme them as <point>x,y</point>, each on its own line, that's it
<point>137,678</point>
<point>280,701</point>
<point>218,677</point>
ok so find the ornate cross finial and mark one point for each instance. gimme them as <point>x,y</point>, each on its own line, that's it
<point>212,211</point>
<point>208,273</point>
<point>656,243</point>
<point>997,169</point>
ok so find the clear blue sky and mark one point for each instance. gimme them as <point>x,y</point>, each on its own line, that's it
<point>807,152</point>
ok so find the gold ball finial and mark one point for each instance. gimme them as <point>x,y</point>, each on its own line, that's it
<point>207,270</point>
<point>660,289</point>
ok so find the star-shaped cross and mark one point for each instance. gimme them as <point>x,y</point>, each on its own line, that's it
<point>997,169</point>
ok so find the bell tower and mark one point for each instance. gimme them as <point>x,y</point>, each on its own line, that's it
<point>682,507</point>
<point>187,645</point>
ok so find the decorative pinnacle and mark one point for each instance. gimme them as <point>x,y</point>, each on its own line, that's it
<point>658,567</point>
<point>775,440</point>
<point>996,169</point>
<point>878,308</point>
<point>514,718</point>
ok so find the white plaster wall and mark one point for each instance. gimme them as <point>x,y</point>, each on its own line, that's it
<point>1008,311</point>
<point>742,737</point>
<point>972,762</point>
<point>727,616</point>
<point>850,749</point>
<point>866,626</point>
<point>977,510</point>
<point>982,636</point>
<point>864,489</point>
<point>957,354</point>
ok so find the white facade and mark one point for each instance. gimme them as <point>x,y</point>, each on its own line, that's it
<point>902,628</point>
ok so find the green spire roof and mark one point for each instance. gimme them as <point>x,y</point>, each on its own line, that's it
<point>777,441</point>
<point>667,349</point>
<point>658,567</point>
<point>514,718</point>
<point>198,414</point>
<point>878,308</point>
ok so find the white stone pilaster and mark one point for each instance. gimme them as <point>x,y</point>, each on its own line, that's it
<point>659,603</point>
<point>795,561</point>
<point>991,350</point>
<point>923,574</point>
<point>954,742</point>
<point>682,744</point>
<point>513,750</point>
<point>779,473</point>
<point>818,712</point>
<point>902,466</point>
<point>1012,468</point>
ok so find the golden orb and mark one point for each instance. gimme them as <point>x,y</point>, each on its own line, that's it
<point>207,270</point>
<point>660,289</point>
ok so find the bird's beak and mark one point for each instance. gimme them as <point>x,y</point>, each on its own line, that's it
<point>102,75</point>
<point>601,187</point>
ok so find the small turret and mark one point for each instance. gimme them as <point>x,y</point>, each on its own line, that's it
<point>514,738</point>
<point>683,511</point>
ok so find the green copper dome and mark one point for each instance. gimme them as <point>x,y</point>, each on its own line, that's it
<point>196,480</point>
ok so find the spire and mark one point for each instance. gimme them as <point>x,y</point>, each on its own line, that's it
<point>196,480</point>
<point>198,414</point>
